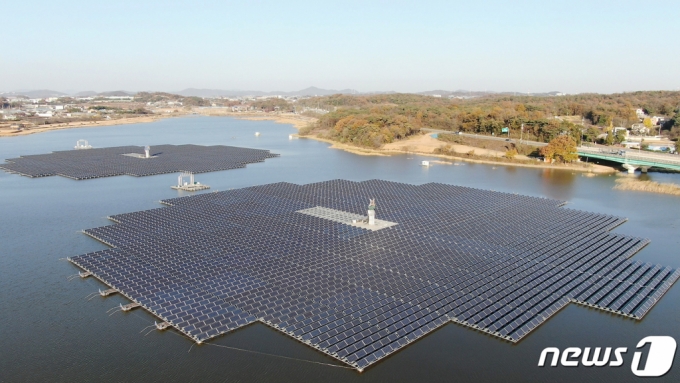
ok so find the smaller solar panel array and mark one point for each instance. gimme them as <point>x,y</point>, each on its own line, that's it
<point>107,162</point>
<point>495,262</point>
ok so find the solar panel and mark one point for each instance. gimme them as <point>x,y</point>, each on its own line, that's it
<point>131,160</point>
<point>294,258</point>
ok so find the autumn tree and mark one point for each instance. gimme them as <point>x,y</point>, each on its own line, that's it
<point>511,153</point>
<point>609,140</point>
<point>561,148</point>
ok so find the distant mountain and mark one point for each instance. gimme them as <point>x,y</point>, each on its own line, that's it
<point>314,91</point>
<point>193,92</point>
<point>468,93</point>
<point>115,93</point>
<point>457,93</point>
<point>86,93</point>
<point>40,93</point>
<point>311,91</point>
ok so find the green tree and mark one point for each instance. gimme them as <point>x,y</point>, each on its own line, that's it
<point>620,137</point>
<point>610,138</point>
<point>591,134</point>
<point>676,119</point>
<point>561,148</point>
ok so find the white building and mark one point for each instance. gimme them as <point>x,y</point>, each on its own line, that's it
<point>639,129</point>
<point>620,128</point>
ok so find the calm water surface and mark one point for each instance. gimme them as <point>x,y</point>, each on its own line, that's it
<point>51,333</point>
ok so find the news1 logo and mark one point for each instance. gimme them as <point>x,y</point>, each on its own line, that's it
<point>659,357</point>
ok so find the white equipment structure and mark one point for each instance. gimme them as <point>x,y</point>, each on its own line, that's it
<point>371,212</point>
<point>257,134</point>
<point>83,144</point>
<point>147,149</point>
<point>181,182</point>
<point>189,185</point>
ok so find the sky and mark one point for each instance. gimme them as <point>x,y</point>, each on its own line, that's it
<point>406,46</point>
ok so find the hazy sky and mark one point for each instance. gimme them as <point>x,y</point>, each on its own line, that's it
<point>527,46</point>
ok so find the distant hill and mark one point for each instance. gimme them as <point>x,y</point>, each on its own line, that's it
<point>115,93</point>
<point>40,93</point>
<point>311,91</point>
<point>87,93</point>
<point>469,93</point>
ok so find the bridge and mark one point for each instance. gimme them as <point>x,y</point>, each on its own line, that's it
<point>632,159</point>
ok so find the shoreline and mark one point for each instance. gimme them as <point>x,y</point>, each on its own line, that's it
<point>87,124</point>
<point>591,169</point>
<point>298,122</point>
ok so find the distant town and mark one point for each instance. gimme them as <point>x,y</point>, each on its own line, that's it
<point>641,127</point>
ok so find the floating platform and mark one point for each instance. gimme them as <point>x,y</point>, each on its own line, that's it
<point>191,185</point>
<point>133,161</point>
<point>191,188</point>
<point>129,306</point>
<point>286,255</point>
<point>107,292</point>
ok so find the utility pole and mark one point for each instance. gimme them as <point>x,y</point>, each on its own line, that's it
<point>521,133</point>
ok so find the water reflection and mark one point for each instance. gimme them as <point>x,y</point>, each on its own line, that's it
<point>41,224</point>
<point>644,177</point>
<point>558,184</point>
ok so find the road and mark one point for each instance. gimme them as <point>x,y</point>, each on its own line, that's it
<point>631,154</point>
<point>595,149</point>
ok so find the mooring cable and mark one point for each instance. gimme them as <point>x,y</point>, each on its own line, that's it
<point>244,350</point>
<point>280,356</point>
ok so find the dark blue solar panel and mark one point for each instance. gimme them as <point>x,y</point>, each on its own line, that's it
<point>106,162</point>
<point>498,263</point>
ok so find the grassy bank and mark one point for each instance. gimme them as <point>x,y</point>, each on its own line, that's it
<point>647,186</point>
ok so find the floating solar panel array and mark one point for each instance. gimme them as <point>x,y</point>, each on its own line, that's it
<point>130,160</point>
<point>496,262</point>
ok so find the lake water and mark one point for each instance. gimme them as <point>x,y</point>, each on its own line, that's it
<point>51,332</point>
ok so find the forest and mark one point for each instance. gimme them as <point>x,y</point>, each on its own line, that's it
<point>373,120</point>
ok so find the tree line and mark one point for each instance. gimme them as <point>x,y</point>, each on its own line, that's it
<point>376,119</point>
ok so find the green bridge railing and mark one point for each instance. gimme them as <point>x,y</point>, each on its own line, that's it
<point>635,159</point>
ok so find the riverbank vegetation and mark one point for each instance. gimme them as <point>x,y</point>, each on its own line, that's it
<point>561,148</point>
<point>647,186</point>
<point>368,128</point>
<point>584,116</point>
